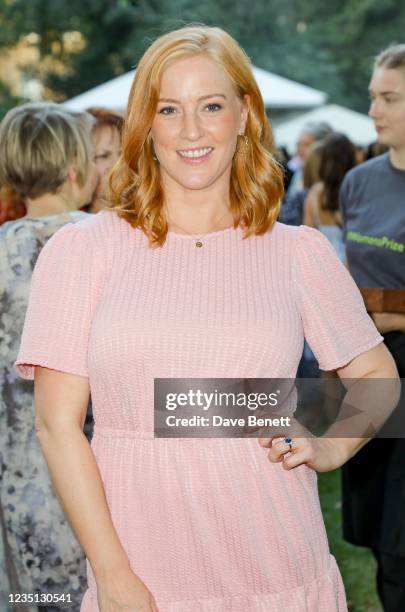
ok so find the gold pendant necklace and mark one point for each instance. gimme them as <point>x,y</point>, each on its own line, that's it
<point>199,239</point>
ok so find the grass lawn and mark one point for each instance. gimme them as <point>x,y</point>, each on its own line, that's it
<point>356,564</point>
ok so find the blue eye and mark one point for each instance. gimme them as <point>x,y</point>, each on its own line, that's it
<point>213,106</point>
<point>167,110</point>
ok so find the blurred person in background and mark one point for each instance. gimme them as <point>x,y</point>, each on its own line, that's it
<point>106,134</point>
<point>46,157</point>
<point>314,131</point>
<point>12,206</point>
<point>373,214</point>
<point>321,208</point>
<point>292,210</point>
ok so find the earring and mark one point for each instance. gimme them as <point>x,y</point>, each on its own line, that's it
<point>242,149</point>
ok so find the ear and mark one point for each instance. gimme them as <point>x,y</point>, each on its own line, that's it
<point>244,113</point>
<point>72,175</point>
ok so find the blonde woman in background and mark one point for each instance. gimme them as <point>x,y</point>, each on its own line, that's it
<point>46,157</point>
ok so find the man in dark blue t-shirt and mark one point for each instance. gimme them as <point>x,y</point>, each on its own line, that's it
<point>373,213</point>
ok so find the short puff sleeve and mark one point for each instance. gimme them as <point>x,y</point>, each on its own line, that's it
<point>335,321</point>
<point>63,293</point>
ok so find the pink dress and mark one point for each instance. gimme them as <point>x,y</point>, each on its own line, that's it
<point>209,525</point>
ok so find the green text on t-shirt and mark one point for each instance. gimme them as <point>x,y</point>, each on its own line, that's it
<point>382,242</point>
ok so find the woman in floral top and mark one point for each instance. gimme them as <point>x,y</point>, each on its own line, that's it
<point>46,157</point>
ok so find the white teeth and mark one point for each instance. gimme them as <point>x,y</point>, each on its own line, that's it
<point>196,152</point>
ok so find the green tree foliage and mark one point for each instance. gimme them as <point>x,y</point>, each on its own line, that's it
<point>328,45</point>
<point>7,100</point>
<point>353,32</point>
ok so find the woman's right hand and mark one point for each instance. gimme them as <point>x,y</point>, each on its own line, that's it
<point>124,592</point>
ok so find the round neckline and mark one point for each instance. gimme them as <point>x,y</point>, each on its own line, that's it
<point>202,237</point>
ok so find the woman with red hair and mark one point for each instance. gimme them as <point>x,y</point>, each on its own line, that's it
<point>188,275</point>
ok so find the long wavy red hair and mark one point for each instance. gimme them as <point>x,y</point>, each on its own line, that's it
<point>256,185</point>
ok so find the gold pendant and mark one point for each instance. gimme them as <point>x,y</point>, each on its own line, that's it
<point>198,244</point>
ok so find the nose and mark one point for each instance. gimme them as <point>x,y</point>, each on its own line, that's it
<point>191,127</point>
<point>375,109</point>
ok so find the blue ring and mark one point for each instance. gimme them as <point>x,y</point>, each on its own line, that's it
<point>289,442</point>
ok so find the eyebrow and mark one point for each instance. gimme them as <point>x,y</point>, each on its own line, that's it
<point>214,95</point>
<point>386,93</point>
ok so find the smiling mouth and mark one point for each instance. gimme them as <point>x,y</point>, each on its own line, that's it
<point>195,153</point>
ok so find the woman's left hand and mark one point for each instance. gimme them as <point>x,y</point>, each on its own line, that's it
<point>320,454</point>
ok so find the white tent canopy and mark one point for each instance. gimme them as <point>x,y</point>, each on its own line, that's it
<point>358,127</point>
<point>277,92</point>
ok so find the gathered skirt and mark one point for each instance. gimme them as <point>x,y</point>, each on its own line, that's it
<point>213,526</point>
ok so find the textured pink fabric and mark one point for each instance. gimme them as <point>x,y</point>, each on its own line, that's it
<point>209,525</point>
